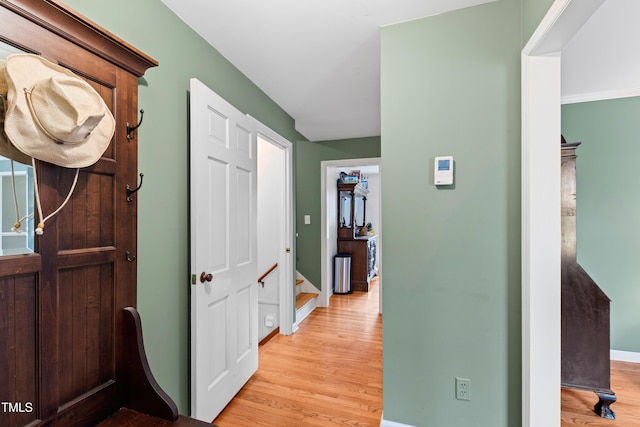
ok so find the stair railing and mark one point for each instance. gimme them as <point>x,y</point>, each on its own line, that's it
<point>261,278</point>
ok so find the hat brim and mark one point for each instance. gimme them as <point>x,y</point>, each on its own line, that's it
<point>22,72</point>
<point>6,148</point>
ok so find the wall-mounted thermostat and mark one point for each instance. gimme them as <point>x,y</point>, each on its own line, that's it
<point>443,170</point>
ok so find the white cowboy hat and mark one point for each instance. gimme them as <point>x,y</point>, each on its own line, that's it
<point>53,115</point>
<point>6,148</point>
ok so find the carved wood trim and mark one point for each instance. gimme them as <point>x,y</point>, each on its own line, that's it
<point>69,24</point>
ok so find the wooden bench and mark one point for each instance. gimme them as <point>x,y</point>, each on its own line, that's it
<point>146,403</point>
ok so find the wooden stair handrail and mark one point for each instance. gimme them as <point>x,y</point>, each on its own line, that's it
<point>261,278</point>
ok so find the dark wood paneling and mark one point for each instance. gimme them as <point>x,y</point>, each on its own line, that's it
<point>18,349</point>
<point>86,313</point>
<point>79,257</point>
<point>88,408</point>
<point>89,217</point>
<point>20,264</point>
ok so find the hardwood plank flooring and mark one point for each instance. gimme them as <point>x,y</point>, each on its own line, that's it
<point>577,405</point>
<point>329,373</point>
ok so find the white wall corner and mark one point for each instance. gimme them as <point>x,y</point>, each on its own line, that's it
<point>306,286</point>
<point>625,356</point>
<point>387,423</point>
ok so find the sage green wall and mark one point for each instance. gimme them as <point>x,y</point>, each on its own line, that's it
<point>608,205</point>
<point>308,156</point>
<point>163,227</point>
<point>451,258</point>
<point>532,13</point>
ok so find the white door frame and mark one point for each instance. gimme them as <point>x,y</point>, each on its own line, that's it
<point>286,306</point>
<point>541,232</point>
<point>326,267</point>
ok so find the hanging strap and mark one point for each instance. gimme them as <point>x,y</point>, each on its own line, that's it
<point>16,227</point>
<point>40,227</point>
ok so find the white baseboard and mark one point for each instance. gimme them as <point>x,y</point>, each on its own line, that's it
<point>386,423</point>
<point>625,356</point>
<point>600,96</point>
<point>305,310</point>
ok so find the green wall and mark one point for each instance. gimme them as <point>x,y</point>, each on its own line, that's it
<point>532,13</point>
<point>452,257</point>
<point>163,227</point>
<point>608,205</point>
<point>307,158</point>
<point>451,269</point>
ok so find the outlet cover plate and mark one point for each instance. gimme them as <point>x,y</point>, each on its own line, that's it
<point>463,388</point>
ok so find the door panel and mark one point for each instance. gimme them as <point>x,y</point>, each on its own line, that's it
<point>217,316</point>
<point>223,244</point>
<point>244,212</point>
<point>245,321</point>
<point>218,208</point>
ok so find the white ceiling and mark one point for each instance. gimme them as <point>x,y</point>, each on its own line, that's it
<point>319,60</point>
<point>602,61</point>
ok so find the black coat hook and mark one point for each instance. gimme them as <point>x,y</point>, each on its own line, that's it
<point>129,257</point>
<point>131,191</point>
<point>130,128</point>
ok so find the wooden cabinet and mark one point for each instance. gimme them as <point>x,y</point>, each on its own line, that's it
<point>353,235</point>
<point>585,308</point>
<point>364,252</point>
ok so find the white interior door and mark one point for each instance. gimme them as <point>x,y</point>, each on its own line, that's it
<point>224,294</point>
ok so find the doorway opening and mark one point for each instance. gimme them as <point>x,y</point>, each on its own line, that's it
<point>330,171</point>
<point>275,233</point>
<point>541,127</point>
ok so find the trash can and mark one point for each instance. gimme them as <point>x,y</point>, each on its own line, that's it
<point>342,274</point>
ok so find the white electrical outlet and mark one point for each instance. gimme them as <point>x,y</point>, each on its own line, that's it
<point>268,321</point>
<point>463,388</point>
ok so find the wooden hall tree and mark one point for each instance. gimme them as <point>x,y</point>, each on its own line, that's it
<point>71,350</point>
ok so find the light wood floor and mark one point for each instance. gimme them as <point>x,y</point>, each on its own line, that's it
<point>329,373</point>
<point>577,406</point>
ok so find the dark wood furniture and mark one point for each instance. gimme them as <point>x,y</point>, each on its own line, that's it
<point>71,351</point>
<point>353,236</point>
<point>363,251</point>
<point>352,209</point>
<point>585,349</point>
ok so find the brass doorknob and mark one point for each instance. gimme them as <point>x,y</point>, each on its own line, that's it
<point>204,277</point>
